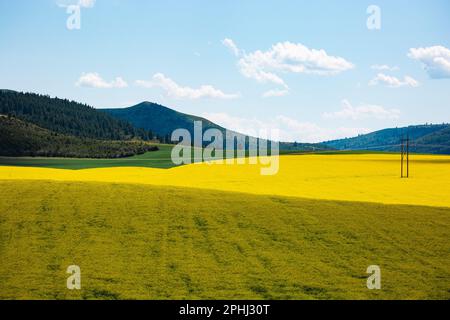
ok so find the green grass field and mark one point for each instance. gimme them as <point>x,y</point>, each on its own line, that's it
<point>155,159</point>
<point>150,242</point>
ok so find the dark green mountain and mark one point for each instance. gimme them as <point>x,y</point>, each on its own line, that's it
<point>424,139</point>
<point>19,138</point>
<point>438,142</point>
<point>159,119</point>
<point>67,117</point>
<point>163,121</point>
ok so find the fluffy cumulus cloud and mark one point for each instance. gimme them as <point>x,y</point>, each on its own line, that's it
<point>291,57</point>
<point>436,60</point>
<point>94,80</point>
<point>174,90</point>
<point>286,57</point>
<point>394,82</point>
<point>365,111</point>
<point>287,129</point>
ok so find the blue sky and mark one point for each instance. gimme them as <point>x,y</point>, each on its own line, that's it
<point>248,65</point>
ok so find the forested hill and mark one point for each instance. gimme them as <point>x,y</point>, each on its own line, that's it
<point>163,121</point>
<point>438,142</point>
<point>19,138</point>
<point>67,117</point>
<point>423,139</point>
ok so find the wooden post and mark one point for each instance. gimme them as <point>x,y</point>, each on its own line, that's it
<point>402,153</point>
<point>407,156</point>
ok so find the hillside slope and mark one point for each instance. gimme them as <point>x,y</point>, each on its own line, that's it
<point>19,138</point>
<point>438,141</point>
<point>162,121</point>
<point>67,117</point>
<point>424,138</point>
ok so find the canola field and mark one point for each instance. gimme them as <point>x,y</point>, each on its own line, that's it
<point>208,231</point>
<point>367,178</point>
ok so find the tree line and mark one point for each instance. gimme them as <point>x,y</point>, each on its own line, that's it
<point>68,117</point>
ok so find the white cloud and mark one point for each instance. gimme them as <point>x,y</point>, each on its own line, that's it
<point>436,60</point>
<point>289,129</point>
<point>250,70</point>
<point>287,57</point>
<point>93,80</point>
<point>275,93</point>
<point>232,46</point>
<point>394,82</point>
<point>364,111</point>
<point>174,90</point>
<point>384,67</point>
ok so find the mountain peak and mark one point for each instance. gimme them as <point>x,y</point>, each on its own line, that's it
<point>158,118</point>
<point>145,103</point>
<point>149,106</point>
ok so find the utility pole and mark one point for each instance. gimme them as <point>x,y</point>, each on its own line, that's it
<point>405,154</point>
<point>402,153</point>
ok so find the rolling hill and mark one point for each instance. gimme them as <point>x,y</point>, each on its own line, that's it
<point>159,119</point>
<point>19,138</point>
<point>163,121</point>
<point>151,121</point>
<point>434,139</point>
<point>67,117</point>
<point>438,141</point>
<point>145,121</point>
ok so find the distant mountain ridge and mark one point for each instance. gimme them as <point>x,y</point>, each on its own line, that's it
<point>163,121</point>
<point>434,138</point>
<point>147,121</point>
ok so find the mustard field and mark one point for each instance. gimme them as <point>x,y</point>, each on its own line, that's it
<point>364,177</point>
<point>211,231</point>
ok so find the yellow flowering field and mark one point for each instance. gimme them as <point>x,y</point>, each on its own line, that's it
<point>364,177</point>
<point>210,231</point>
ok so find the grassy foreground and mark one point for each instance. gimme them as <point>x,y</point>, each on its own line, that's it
<point>160,242</point>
